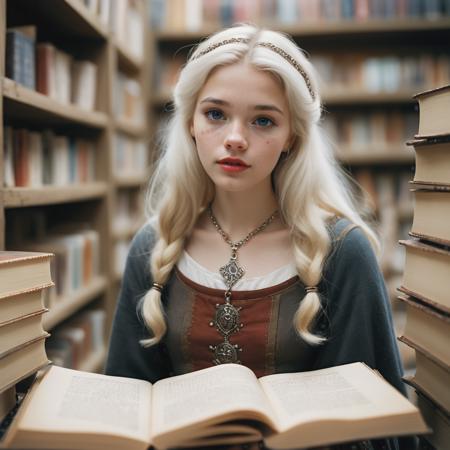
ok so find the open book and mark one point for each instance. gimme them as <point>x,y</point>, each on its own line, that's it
<point>218,405</point>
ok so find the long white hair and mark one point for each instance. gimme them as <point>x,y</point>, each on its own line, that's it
<point>308,183</point>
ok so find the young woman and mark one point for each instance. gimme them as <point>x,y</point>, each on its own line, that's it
<point>254,252</point>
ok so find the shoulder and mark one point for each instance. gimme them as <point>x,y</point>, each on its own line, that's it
<point>348,238</point>
<point>351,250</point>
<point>140,250</point>
<point>144,240</point>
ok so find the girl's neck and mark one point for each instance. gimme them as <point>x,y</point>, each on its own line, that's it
<point>239,213</point>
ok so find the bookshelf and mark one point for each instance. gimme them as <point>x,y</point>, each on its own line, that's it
<point>353,57</point>
<point>76,214</point>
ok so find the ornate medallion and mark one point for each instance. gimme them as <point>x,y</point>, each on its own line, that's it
<point>226,319</point>
<point>225,353</point>
<point>231,273</point>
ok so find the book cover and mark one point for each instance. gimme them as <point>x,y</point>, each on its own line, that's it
<point>434,108</point>
<point>432,214</point>
<point>23,272</point>
<point>426,274</point>
<point>426,327</point>
<point>432,157</point>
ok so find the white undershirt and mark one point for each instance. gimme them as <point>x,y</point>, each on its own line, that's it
<point>200,275</point>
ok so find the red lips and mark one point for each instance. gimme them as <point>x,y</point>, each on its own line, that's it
<point>236,162</point>
<point>232,165</point>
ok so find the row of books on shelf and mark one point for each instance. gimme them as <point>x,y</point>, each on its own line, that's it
<point>129,156</point>
<point>75,265</point>
<point>124,18</point>
<point>74,342</point>
<point>370,131</point>
<point>128,101</point>
<point>201,14</point>
<point>424,289</point>
<point>127,213</point>
<point>387,197</point>
<point>376,74</point>
<point>366,73</point>
<point>34,159</point>
<point>121,248</point>
<point>43,67</point>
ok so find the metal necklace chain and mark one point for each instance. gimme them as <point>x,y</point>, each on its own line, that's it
<point>227,317</point>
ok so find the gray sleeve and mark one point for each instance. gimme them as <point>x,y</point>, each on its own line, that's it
<point>126,356</point>
<point>358,319</point>
<point>358,312</point>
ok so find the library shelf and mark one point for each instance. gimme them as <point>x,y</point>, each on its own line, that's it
<point>69,17</point>
<point>340,95</point>
<point>94,362</point>
<point>127,60</point>
<point>377,156</point>
<point>323,28</point>
<point>125,181</point>
<point>65,307</point>
<point>130,127</point>
<point>48,195</point>
<point>125,233</point>
<point>337,95</point>
<point>21,102</point>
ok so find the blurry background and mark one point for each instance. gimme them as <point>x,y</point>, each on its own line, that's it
<point>87,84</point>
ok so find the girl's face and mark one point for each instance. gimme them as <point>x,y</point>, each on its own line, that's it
<point>241,125</point>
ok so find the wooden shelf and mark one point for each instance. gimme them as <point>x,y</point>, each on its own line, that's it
<point>66,306</point>
<point>48,195</point>
<point>130,180</point>
<point>127,61</point>
<point>130,127</point>
<point>342,96</point>
<point>69,18</point>
<point>325,28</point>
<point>23,103</point>
<point>375,156</point>
<point>95,362</point>
<point>339,96</point>
<point>126,232</point>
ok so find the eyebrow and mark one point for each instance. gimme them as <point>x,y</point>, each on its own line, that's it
<point>218,101</point>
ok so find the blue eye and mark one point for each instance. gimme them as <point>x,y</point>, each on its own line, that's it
<point>214,114</point>
<point>264,122</point>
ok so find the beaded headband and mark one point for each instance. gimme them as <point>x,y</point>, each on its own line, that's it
<point>268,45</point>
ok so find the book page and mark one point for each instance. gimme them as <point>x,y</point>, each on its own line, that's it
<point>348,392</point>
<point>198,396</point>
<point>74,401</point>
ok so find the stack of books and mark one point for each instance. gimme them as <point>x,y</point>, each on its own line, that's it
<point>426,281</point>
<point>24,278</point>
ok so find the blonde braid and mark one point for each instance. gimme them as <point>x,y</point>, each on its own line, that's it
<point>163,259</point>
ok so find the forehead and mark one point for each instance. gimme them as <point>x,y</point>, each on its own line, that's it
<point>245,83</point>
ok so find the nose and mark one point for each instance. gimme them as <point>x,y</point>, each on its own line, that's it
<point>235,138</point>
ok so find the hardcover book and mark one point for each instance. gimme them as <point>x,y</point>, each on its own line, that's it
<point>432,214</point>
<point>438,421</point>
<point>432,378</point>
<point>22,361</point>
<point>432,160</point>
<point>223,404</point>
<point>23,272</point>
<point>427,273</point>
<point>427,328</point>
<point>434,108</point>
